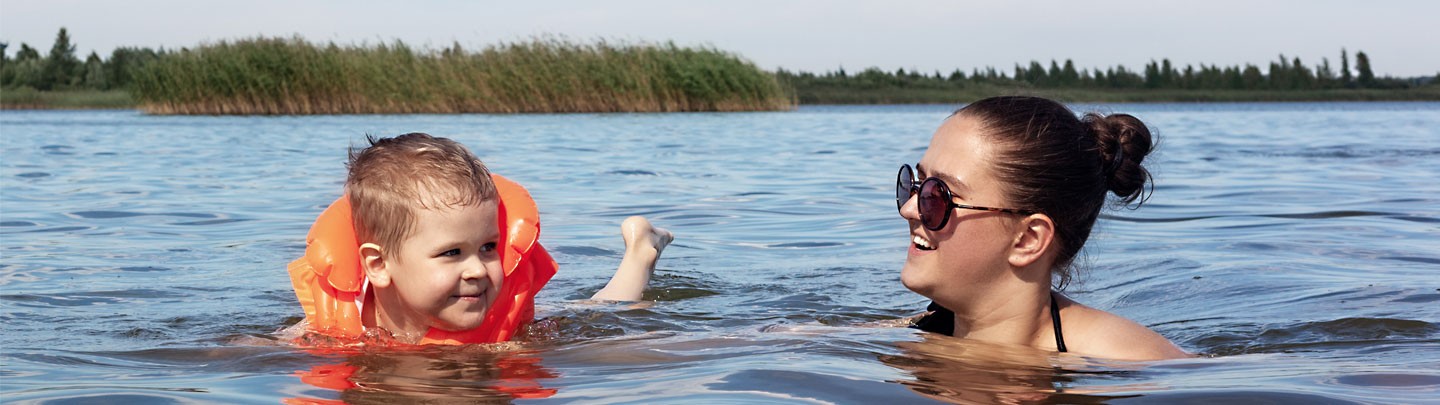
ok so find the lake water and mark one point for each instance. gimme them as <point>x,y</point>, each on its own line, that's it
<point>1295,246</point>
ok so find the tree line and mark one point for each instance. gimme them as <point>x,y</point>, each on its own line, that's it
<point>60,69</point>
<point>1283,74</point>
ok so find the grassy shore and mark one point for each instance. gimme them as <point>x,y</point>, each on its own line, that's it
<point>28,98</point>
<point>292,76</point>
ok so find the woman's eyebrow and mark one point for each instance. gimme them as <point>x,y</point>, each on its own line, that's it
<point>950,181</point>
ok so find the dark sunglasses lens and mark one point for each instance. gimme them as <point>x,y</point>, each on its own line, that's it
<point>932,204</point>
<point>903,184</point>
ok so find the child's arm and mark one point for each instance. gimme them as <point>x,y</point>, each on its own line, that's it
<point>643,244</point>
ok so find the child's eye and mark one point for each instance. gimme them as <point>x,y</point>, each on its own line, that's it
<point>488,247</point>
<point>451,252</point>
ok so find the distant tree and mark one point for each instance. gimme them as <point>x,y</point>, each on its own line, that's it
<point>1324,76</point>
<point>1279,74</point>
<point>26,53</point>
<point>26,69</point>
<point>873,77</point>
<point>1211,77</point>
<point>1054,77</point>
<point>1152,74</point>
<point>1168,75</point>
<point>95,73</point>
<point>1251,79</point>
<point>125,63</point>
<point>1125,79</point>
<point>1233,78</point>
<point>1035,74</point>
<point>841,72</point>
<point>956,76</point>
<point>1068,76</point>
<point>5,72</point>
<point>1301,77</point>
<point>61,65</point>
<point>1345,77</point>
<point>1363,75</point>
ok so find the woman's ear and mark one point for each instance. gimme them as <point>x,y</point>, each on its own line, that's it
<point>372,261</point>
<point>1035,234</point>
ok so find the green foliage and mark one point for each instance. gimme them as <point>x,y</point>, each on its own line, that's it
<point>28,97</point>
<point>26,53</point>
<point>1158,80</point>
<point>1345,76</point>
<point>61,66</point>
<point>94,70</point>
<point>125,63</point>
<point>292,76</point>
<point>27,72</point>
<point>1363,75</point>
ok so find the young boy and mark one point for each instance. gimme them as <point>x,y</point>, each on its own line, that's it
<point>431,248</point>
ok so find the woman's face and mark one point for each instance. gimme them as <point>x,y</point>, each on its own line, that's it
<point>971,250</point>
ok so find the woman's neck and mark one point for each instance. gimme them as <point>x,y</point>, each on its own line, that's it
<point>1018,315</point>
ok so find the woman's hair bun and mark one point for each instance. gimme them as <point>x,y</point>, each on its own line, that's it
<point>1124,142</point>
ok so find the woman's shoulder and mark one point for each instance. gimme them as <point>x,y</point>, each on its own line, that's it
<point>1093,332</point>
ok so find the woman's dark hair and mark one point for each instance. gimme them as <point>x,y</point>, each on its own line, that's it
<point>1052,162</point>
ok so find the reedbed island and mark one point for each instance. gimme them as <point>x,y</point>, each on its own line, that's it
<point>293,76</point>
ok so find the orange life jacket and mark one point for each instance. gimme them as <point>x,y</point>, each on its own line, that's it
<point>328,279</point>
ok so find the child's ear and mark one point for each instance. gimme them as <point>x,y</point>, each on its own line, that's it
<point>372,261</point>
<point>1035,234</point>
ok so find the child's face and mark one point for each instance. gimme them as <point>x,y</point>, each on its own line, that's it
<point>448,272</point>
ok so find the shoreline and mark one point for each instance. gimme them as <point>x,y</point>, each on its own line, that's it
<point>119,100</point>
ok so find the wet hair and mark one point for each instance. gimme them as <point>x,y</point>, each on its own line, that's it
<point>1049,161</point>
<point>393,178</point>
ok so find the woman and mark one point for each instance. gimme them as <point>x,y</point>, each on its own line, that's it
<point>999,206</point>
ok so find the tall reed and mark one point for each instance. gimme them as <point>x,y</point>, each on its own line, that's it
<point>294,76</point>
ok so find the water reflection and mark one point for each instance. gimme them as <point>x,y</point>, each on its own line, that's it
<point>478,373</point>
<point>973,372</point>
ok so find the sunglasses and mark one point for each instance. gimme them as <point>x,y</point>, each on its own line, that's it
<point>935,199</point>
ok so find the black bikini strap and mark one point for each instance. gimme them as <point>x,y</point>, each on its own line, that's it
<point>1055,319</point>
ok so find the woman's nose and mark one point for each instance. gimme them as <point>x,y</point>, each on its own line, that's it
<point>909,210</point>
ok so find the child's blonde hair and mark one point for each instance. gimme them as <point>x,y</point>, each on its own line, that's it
<point>393,178</point>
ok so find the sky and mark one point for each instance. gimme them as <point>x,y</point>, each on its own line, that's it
<point>808,35</point>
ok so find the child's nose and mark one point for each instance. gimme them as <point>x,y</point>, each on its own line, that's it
<point>478,267</point>
<point>474,268</point>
